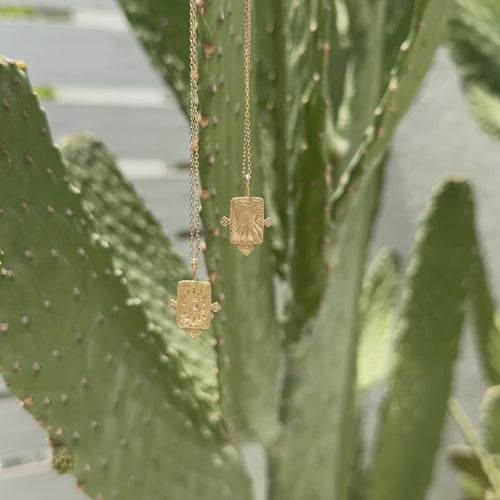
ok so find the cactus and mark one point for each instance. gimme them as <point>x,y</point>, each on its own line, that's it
<point>304,104</point>
<point>420,378</point>
<point>486,326</point>
<point>141,251</point>
<point>480,461</point>
<point>73,336</point>
<point>475,46</point>
<point>86,272</point>
<point>377,311</point>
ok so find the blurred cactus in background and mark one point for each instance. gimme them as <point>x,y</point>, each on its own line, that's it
<point>133,407</point>
<point>479,462</point>
<point>474,43</point>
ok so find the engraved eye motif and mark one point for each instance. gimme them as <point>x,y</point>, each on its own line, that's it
<point>195,312</point>
<point>194,306</point>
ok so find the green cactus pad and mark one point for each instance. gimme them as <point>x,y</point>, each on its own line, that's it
<point>415,56</point>
<point>374,31</point>
<point>472,489</point>
<point>475,483</point>
<point>309,36</point>
<point>475,46</point>
<point>464,459</point>
<point>489,477</point>
<point>430,325</point>
<point>76,349</point>
<point>307,68</point>
<point>320,416</point>
<point>357,473</point>
<point>247,331</point>
<point>486,326</point>
<point>377,313</point>
<point>142,252</point>
<point>399,16</point>
<point>490,420</point>
<point>247,328</point>
<point>269,143</point>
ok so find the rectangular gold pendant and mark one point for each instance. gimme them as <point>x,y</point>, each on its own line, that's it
<point>246,222</point>
<point>194,306</point>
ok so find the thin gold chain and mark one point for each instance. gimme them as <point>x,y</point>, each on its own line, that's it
<point>247,46</point>
<point>194,154</point>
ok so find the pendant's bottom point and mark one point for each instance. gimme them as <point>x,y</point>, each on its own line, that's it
<point>246,249</point>
<point>194,334</point>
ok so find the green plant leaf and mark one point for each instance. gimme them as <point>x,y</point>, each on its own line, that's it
<point>474,42</point>
<point>75,347</point>
<point>429,327</point>
<point>377,306</point>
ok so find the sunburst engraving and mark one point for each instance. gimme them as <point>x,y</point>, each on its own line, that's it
<point>246,223</point>
<point>194,306</point>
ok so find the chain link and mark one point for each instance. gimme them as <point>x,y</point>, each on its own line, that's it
<point>247,46</point>
<point>194,153</point>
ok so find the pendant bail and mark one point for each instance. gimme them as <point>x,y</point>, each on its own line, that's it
<point>194,267</point>
<point>247,185</point>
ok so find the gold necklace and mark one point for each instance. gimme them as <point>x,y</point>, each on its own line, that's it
<point>194,298</point>
<point>246,218</point>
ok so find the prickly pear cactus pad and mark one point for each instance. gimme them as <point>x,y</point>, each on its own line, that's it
<point>490,421</point>
<point>77,350</point>
<point>480,461</point>
<point>475,46</point>
<point>143,252</point>
<point>414,59</point>
<point>377,313</point>
<point>429,327</point>
<point>247,330</point>
<point>320,417</point>
<point>318,77</point>
<point>486,323</point>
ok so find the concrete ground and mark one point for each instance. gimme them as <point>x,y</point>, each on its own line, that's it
<point>105,85</point>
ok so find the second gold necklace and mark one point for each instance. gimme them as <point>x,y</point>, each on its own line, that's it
<point>246,218</point>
